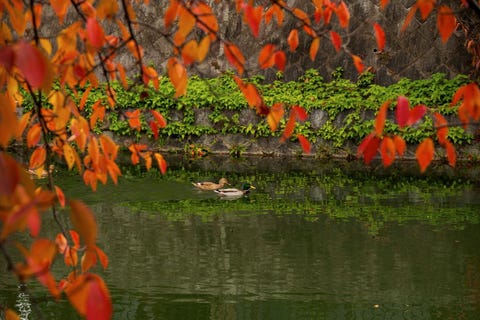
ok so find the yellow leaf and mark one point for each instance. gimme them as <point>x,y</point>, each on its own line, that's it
<point>69,155</point>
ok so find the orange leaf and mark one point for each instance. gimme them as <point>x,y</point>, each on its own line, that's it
<point>266,57</point>
<point>387,150</point>
<point>293,40</point>
<point>60,196</point>
<point>95,33</point>
<point>446,22</point>
<point>304,143</point>
<point>451,154</point>
<point>186,22</point>
<point>289,127</point>
<point>357,61</point>
<point>442,128</point>
<point>235,57</point>
<point>170,14</point>
<point>202,48</point>
<point>379,36</point>
<point>159,119</point>
<point>425,153</point>
<point>383,3</point>
<point>251,94</point>
<point>178,76</point>
<point>275,115</point>
<point>38,157</point>
<point>368,147</point>
<point>336,40</point>
<point>416,114</point>
<point>206,19</point>
<point>400,145</point>
<point>134,119</point>
<point>408,19</point>
<point>343,14</point>
<point>162,164</point>
<point>314,46</point>
<point>9,175</point>
<point>8,119</point>
<point>11,315</point>
<point>380,118</point>
<point>84,221</point>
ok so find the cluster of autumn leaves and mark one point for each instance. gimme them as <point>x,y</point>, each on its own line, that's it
<point>58,128</point>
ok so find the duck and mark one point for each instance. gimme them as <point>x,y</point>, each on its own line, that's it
<point>208,185</point>
<point>233,192</point>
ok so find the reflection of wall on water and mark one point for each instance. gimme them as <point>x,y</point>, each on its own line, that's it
<point>23,303</point>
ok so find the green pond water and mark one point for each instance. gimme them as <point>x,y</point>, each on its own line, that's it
<point>312,241</point>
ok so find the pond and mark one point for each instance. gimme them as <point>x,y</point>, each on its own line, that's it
<point>312,241</point>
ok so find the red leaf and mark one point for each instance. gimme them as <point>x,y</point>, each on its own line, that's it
<point>60,196</point>
<point>280,60</point>
<point>7,57</point>
<point>253,16</point>
<point>293,40</point>
<point>99,304</point>
<point>451,154</point>
<point>368,147</point>
<point>154,128</point>
<point>300,113</point>
<point>425,6</point>
<point>402,113</point>
<point>387,150</point>
<point>33,64</point>
<point>416,114</point>
<point>159,119</point>
<point>380,119</point>
<point>304,143</point>
<point>424,154</point>
<point>383,3</point>
<point>379,36</point>
<point>336,40</point>
<point>442,128</point>
<point>95,33</point>
<point>446,22</point>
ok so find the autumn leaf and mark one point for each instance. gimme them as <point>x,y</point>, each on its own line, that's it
<point>8,121</point>
<point>275,115</point>
<point>425,6</point>
<point>357,61</point>
<point>387,150</point>
<point>409,17</point>
<point>289,127</point>
<point>304,143</point>
<point>336,40</point>
<point>95,33</point>
<point>442,128</point>
<point>400,145</point>
<point>60,196</point>
<point>280,60</point>
<point>416,114</point>
<point>266,57</point>
<point>253,17</point>
<point>446,22</point>
<point>368,147</point>
<point>11,315</point>
<point>35,67</point>
<point>402,112</point>
<point>451,153</point>
<point>37,158</point>
<point>425,153</point>
<point>134,119</point>
<point>69,155</point>
<point>206,19</point>
<point>162,164</point>
<point>300,113</point>
<point>84,221</point>
<point>380,118</point>
<point>235,57</point>
<point>379,36</point>
<point>384,3</point>
<point>343,14</point>
<point>178,76</point>
<point>293,40</point>
<point>314,46</point>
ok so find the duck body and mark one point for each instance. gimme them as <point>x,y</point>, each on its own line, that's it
<point>207,185</point>
<point>233,192</point>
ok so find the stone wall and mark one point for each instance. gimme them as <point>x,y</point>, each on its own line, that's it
<point>416,53</point>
